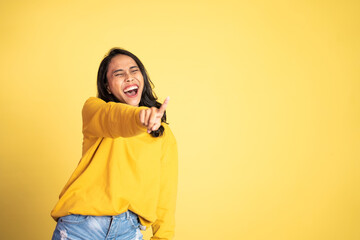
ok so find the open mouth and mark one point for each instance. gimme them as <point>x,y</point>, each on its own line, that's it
<point>131,91</point>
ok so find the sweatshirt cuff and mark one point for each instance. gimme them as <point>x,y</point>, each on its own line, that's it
<point>137,118</point>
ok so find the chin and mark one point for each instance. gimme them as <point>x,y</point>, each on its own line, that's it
<point>133,103</point>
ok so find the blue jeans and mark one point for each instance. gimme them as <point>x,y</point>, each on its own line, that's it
<point>125,226</point>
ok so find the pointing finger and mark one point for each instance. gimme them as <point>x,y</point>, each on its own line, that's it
<point>164,105</point>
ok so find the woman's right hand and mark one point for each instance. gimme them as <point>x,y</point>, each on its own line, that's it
<point>151,117</point>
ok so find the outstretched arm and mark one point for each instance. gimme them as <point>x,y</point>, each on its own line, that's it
<point>110,119</point>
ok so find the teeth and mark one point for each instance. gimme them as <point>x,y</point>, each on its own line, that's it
<point>130,88</point>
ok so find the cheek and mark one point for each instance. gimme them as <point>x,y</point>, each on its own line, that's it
<point>116,84</point>
<point>140,77</point>
<point>141,80</point>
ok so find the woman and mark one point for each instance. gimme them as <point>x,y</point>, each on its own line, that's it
<point>127,177</point>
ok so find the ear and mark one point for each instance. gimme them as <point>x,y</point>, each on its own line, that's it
<point>107,88</point>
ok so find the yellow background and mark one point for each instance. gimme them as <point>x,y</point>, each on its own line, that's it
<point>265,106</point>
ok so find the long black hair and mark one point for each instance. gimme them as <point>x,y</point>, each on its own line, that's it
<point>148,96</point>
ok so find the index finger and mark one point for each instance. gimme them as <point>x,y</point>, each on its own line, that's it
<point>164,105</point>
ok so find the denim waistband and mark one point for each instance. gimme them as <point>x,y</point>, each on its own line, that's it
<point>126,215</point>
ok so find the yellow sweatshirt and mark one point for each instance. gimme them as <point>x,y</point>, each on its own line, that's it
<point>123,167</point>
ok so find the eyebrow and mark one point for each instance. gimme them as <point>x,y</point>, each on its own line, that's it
<point>119,70</point>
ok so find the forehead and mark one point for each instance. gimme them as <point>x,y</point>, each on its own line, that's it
<point>121,61</point>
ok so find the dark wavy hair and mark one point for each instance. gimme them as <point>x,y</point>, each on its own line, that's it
<point>148,96</point>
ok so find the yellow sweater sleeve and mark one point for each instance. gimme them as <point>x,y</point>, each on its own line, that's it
<point>164,227</point>
<point>110,119</point>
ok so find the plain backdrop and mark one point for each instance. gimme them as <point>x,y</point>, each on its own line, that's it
<point>265,107</point>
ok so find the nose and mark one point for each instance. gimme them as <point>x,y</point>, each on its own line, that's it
<point>129,78</point>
